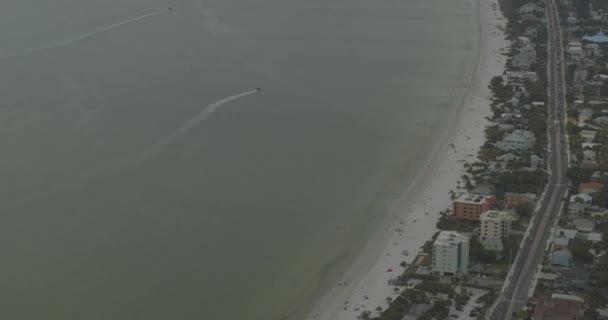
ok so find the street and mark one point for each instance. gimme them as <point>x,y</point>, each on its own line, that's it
<point>516,293</point>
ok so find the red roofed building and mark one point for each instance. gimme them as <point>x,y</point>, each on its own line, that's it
<point>590,187</point>
<point>558,309</point>
<point>471,206</point>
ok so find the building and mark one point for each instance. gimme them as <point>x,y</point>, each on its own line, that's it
<point>584,225</point>
<point>561,243</point>
<point>568,233</point>
<point>451,253</point>
<point>572,278</point>
<point>587,135</point>
<point>562,258</point>
<point>495,225</point>
<point>590,187</point>
<point>556,308</point>
<point>599,37</point>
<point>579,203</point>
<point>588,155</point>
<point>471,206</point>
<point>514,199</point>
<point>518,140</point>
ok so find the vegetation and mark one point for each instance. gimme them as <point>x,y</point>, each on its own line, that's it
<point>435,287</point>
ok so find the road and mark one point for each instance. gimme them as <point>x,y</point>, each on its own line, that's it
<point>515,296</point>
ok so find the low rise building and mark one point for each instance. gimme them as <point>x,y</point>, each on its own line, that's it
<point>451,253</point>
<point>518,140</point>
<point>584,225</point>
<point>556,308</point>
<point>471,206</point>
<point>562,258</point>
<point>590,187</point>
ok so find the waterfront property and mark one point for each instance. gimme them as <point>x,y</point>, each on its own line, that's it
<point>518,140</point>
<point>471,206</point>
<point>450,253</point>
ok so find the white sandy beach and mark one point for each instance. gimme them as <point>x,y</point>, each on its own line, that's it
<point>412,219</point>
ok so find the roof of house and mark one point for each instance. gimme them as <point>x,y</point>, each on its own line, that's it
<point>591,186</point>
<point>599,37</point>
<point>519,135</point>
<point>583,196</point>
<point>507,157</point>
<point>568,233</point>
<point>584,224</point>
<point>557,308</point>
<point>561,241</point>
<point>594,236</point>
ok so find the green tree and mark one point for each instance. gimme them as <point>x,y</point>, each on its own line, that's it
<point>524,209</point>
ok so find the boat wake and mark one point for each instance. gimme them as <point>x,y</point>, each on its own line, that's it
<point>192,123</point>
<point>82,37</point>
<point>152,151</point>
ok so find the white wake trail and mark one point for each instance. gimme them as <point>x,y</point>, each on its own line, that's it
<point>82,37</point>
<point>193,122</point>
<point>154,150</point>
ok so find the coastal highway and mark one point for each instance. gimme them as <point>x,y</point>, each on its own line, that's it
<point>516,293</point>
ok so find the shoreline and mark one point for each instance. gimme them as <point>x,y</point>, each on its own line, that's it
<point>411,219</point>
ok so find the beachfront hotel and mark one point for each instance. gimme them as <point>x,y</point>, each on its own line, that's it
<point>471,206</point>
<point>451,253</point>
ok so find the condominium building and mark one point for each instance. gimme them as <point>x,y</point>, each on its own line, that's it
<point>451,253</point>
<point>471,206</point>
<point>495,225</point>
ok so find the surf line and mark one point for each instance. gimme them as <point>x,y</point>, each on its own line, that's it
<point>82,37</point>
<point>191,124</point>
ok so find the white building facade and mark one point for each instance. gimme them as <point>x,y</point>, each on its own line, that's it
<point>518,140</point>
<point>451,253</point>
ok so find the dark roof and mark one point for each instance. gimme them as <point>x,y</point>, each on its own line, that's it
<point>552,308</point>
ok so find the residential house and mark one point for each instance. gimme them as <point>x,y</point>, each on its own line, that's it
<point>594,237</point>
<point>590,187</point>
<point>584,115</point>
<point>584,225</point>
<point>587,135</point>
<point>530,8</point>
<point>589,155</point>
<point>599,38</point>
<point>579,203</point>
<point>507,157</point>
<point>572,278</point>
<point>562,258</point>
<point>560,243</point>
<point>450,253</point>
<point>601,121</point>
<point>576,208</point>
<point>471,206</point>
<point>568,233</point>
<point>518,78</point>
<point>576,52</point>
<point>557,309</point>
<point>518,140</point>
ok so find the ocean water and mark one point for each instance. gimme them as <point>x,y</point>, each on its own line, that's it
<point>126,193</point>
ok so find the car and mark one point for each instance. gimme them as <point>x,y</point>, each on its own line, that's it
<point>454,316</point>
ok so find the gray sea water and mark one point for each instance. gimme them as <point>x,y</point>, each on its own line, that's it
<point>119,199</point>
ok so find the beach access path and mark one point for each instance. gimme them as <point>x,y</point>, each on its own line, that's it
<point>411,221</point>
